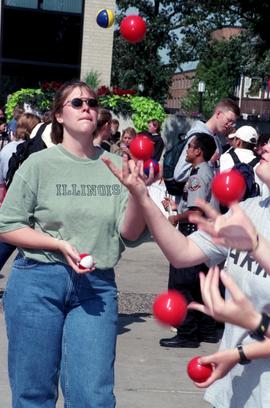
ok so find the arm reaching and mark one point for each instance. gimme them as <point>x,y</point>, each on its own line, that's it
<point>134,223</point>
<point>234,230</point>
<point>178,249</point>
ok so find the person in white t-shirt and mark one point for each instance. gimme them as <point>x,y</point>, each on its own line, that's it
<point>244,141</point>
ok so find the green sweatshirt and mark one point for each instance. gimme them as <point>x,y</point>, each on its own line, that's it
<point>74,199</point>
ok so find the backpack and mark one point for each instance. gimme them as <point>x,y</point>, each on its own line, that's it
<point>23,151</point>
<point>170,159</point>
<point>247,170</point>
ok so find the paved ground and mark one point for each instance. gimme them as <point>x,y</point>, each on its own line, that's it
<point>147,375</point>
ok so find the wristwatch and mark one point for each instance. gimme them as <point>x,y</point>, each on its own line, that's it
<point>259,332</point>
<point>243,359</point>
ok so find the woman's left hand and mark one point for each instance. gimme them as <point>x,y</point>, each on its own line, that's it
<point>222,362</point>
<point>237,309</point>
<point>132,175</point>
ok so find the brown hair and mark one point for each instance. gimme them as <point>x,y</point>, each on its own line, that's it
<point>115,121</point>
<point>130,130</point>
<point>228,104</point>
<point>25,125</point>
<point>59,99</point>
<point>156,123</point>
<point>104,116</point>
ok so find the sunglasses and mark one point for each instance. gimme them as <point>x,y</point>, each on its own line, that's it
<point>77,103</point>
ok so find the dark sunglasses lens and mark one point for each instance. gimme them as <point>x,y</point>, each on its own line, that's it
<point>76,102</point>
<point>92,103</point>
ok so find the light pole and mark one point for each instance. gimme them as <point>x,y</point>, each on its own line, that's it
<point>201,90</point>
<point>141,88</point>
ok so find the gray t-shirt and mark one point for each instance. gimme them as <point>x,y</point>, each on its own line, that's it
<point>71,198</point>
<point>244,386</point>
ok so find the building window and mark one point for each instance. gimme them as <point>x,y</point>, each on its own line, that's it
<point>67,6</point>
<point>22,3</point>
<point>253,87</point>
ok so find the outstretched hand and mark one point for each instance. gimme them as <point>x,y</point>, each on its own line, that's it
<point>132,175</point>
<point>237,310</point>
<point>233,230</point>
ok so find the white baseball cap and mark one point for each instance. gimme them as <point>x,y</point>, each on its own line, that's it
<point>246,133</point>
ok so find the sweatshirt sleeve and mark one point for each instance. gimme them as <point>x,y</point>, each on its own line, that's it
<point>18,206</point>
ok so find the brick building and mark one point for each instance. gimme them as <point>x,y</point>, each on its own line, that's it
<point>253,94</point>
<point>181,83</point>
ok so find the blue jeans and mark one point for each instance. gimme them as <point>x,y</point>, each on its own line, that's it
<point>60,323</point>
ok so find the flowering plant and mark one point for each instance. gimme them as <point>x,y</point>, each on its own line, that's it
<point>121,101</point>
<point>105,90</point>
<point>141,109</point>
<point>50,86</point>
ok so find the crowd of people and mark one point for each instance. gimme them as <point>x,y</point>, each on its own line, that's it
<point>87,180</point>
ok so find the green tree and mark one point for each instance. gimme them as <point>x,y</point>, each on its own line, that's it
<point>219,68</point>
<point>141,63</point>
<point>194,22</point>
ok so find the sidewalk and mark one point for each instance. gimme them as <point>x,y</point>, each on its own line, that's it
<point>147,375</point>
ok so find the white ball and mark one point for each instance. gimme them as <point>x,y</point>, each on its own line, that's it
<point>86,262</point>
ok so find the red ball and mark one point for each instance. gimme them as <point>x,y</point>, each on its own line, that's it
<point>229,186</point>
<point>170,308</point>
<point>141,147</point>
<point>133,29</point>
<point>146,167</point>
<point>89,261</point>
<point>198,372</point>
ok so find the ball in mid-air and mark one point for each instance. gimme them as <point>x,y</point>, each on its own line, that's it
<point>229,186</point>
<point>141,147</point>
<point>133,29</point>
<point>170,308</point>
<point>105,18</point>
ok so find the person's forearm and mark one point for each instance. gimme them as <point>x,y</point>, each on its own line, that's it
<point>261,254</point>
<point>178,249</point>
<point>29,238</point>
<point>257,349</point>
<point>252,351</point>
<point>3,191</point>
<point>254,321</point>
<point>134,222</point>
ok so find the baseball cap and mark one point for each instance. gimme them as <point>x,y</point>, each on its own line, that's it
<point>246,133</point>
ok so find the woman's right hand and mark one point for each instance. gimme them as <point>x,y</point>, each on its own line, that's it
<point>222,362</point>
<point>72,256</point>
<point>232,230</point>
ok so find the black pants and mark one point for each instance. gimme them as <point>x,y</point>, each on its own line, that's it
<point>187,282</point>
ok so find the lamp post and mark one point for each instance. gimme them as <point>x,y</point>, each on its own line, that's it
<point>141,88</point>
<point>201,90</point>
